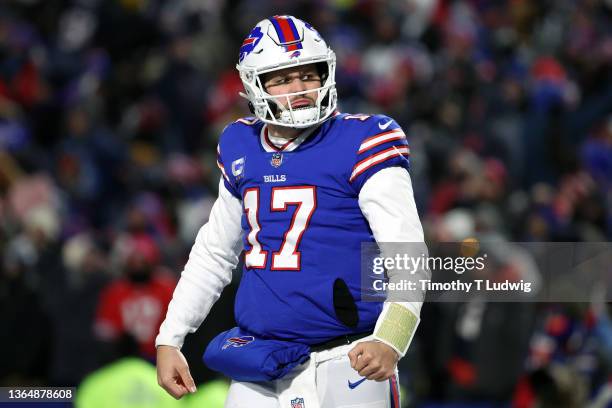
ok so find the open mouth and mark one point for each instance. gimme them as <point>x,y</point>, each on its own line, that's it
<point>301,103</point>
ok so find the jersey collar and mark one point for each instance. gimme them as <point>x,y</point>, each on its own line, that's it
<point>290,146</point>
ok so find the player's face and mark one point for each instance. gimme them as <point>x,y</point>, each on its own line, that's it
<point>294,79</point>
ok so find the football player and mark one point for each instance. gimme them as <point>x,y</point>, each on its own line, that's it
<point>302,187</point>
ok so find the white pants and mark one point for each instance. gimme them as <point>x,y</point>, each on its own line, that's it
<point>325,381</point>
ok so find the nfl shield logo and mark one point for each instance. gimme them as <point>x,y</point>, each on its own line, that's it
<point>277,159</point>
<point>298,403</point>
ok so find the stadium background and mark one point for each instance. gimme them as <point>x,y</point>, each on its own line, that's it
<point>109,117</point>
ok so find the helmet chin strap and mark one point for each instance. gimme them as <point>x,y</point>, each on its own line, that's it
<point>300,116</point>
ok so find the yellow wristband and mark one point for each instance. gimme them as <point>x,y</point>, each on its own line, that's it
<point>396,327</point>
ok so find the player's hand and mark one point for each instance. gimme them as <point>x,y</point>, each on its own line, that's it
<point>173,372</point>
<point>373,360</point>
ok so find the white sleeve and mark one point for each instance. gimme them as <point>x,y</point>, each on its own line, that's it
<point>209,269</point>
<point>387,202</point>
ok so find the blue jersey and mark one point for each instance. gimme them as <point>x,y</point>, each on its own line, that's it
<point>302,224</point>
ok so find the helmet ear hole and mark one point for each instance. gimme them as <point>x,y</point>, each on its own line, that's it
<point>262,80</point>
<point>325,100</point>
<point>323,71</point>
<point>273,108</point>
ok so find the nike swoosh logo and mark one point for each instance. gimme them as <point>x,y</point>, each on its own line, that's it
<point>384,126</point>
<point>356,383</point>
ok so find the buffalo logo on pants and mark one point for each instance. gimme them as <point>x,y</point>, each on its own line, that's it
<point>237,341</point>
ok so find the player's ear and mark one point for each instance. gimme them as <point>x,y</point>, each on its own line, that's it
<point>344,304</point>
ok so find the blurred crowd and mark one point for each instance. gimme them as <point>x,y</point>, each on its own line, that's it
<point>110,112</point>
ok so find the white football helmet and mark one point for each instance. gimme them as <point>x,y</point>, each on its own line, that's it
<point>281,42</point>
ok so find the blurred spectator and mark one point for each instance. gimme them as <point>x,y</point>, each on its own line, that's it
<point>26,359</point>
<point>72,309</point>
<point>135,304</point>
<point>479,357</point>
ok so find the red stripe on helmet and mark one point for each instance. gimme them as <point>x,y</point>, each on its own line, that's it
<point>288,33</point>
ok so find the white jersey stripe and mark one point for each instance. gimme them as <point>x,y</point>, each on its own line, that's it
<point>378,158</point>
<point>220,166</point>
<point>247,122</point>
<point>380,138</point>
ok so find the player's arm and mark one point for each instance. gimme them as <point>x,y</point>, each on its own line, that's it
<point>213,257</point>
<point>386,200</point>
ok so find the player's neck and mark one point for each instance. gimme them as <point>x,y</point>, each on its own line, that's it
<point>284,132</point>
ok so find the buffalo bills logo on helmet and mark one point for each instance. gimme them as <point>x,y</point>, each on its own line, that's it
<point>250,43</point>
<point>237,341</point>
